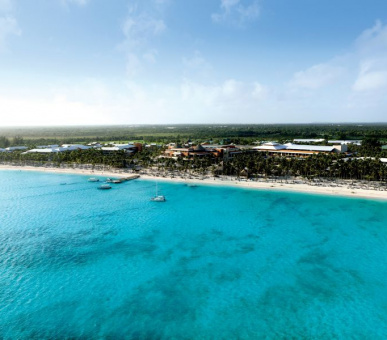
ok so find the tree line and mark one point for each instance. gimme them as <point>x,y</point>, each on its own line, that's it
<point>239,133</point>
<point>247,163</point>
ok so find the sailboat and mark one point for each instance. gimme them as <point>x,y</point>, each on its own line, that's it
<point>158,198</point>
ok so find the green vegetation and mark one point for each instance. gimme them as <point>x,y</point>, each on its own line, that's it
<point>316,166</point>
<point>238,134</point>
<point>251,164</point>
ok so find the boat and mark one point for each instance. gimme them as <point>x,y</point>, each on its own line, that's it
<point>158,198</point>
<point>104,187</point>
<point>113,180</point>
<point>93,179</point>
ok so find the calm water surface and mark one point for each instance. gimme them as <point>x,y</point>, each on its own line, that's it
<point>210,263</point>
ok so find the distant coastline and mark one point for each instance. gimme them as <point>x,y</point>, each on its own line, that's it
<point>345,191</point>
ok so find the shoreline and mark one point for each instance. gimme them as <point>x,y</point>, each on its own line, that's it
<point>257,185</point>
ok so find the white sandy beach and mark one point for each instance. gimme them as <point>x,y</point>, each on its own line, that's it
<point>346,191</point>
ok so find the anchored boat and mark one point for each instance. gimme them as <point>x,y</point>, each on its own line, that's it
<point>104,187</point>
<point>157,197</point>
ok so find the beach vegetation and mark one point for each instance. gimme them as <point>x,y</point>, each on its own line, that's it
<point>364,164</point>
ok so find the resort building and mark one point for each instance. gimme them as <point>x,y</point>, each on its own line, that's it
<point>345,142</point>
<point>72,147</point>
<point>290,149</point>
<point>56,149</point>
<point>95,145</point>
<point>203,150</point>
<point>227,152</point>
<point>129,148</point>
<point>320,140</point>
<point>177,151</point>
<point>47,146</point>
<point>16,148</point>
<point>45,150</point>
<point>153,146</point>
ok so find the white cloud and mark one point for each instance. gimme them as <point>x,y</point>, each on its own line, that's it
<point>8,24</point>
<point>237,12</point>
<point>139,29</point>
<point>6,5</point>
<point>133,64</point>
<point>92,101</point>
<point>316,76</point>
<point>196,61</point>
<point>223,97</point>
<point>372,50</point>
<point>232,89</point>
<point>373,40</point>
<point>8,27</point>
<point>371,81</point>
<point>196,66</point>
<point>348,84</point>
<point>58,110</point>
<point>75,2</point>
<point>87,90</point>
<point>259,91</point>
<point>150,56</point>
<point>162,2</point>
<point>337,89</point>
<point>372,77</point>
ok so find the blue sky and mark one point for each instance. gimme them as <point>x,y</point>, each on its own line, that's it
<point>192,61</point>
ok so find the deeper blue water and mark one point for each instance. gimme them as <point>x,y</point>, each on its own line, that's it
<point>210,263</point>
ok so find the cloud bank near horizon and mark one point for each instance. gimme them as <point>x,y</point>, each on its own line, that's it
<point>155,62</point>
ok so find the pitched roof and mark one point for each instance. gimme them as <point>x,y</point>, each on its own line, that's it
<point>270,146</point>
<point>291,146</point>
<point>199,148</point>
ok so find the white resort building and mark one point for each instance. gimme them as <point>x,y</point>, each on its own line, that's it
<point>345,142</point>
<point>290,149</point>
<point>55,148</point>
<point>311,140</point>
<point>16,148</point>
<point>129,148</point>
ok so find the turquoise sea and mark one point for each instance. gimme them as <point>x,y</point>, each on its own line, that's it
<point>210,263</point>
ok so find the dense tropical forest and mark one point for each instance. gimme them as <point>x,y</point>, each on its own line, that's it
<point>238,134</point>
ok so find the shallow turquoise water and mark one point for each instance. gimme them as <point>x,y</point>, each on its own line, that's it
<point>210,263</point>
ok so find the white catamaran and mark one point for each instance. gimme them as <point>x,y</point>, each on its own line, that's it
<point>157,197</point>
